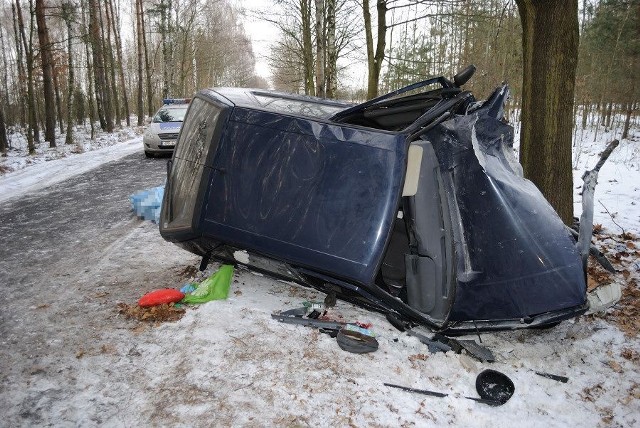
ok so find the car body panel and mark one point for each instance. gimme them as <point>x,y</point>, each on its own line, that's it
<point>514,256</point>
<point>315,194</point>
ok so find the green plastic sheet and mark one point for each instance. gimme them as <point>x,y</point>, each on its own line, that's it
<point>216,287</point>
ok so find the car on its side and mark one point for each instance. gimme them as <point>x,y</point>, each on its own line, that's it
<point>412,204</point>
<point>162,133</point>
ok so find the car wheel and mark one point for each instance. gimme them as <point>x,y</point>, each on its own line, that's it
<point>148,154</point>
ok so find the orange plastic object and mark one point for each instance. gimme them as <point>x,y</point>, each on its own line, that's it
<point>158,297</point>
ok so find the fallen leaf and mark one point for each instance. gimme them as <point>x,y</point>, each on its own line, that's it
<point>615,366</point>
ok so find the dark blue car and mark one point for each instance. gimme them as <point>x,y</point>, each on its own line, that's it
<point>411,204</point>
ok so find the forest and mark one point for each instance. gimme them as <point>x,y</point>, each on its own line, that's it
<point>109,63</point>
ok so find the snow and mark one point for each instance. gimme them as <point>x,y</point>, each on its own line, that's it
<point>54,165</point>
<point>227,363</point>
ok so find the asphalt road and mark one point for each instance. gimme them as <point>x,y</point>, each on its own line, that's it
<point>68,254</point>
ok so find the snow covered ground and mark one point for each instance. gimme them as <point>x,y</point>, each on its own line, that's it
<point>227,363</point>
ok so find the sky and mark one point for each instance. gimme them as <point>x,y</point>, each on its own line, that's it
<point>262,33</point>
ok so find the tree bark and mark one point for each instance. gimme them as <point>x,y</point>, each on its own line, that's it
<point>33,133</point>
<point>3,131</point>
<point>374,59</point>
<point>627,120</point>
<point>67,14</point>
<point>146,61</point>
<point>56,88</point>
<point>90,79</point>
<point>139,31</point>
<point>102,92</point>
<point>332,52</point>
<point>320,49</point>
<point>123,87</point>
<point>22,86</point>
<point>550,49</point>
<point>46,59</point>
<point>165,20</point>
<point>307,47</point>
<point>110,60</point>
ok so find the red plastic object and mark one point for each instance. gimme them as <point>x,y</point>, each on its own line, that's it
<point>158,297</point>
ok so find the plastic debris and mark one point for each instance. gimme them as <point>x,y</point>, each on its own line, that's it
<point>216,287</point>
<point>159,297</point>
<point>494,388</point>
<point>147,203</point>
<point>419,391</point>
<point>356,340</point>
<point>188,288</point>
<point>557,378</point>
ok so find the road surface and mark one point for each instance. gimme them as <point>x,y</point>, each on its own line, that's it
<point>68,255</point>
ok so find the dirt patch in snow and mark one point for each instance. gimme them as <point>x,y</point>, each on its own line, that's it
<point>156,314</point>
<point>624,253</point>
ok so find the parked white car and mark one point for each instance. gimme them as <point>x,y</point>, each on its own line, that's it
<point>162,133</point>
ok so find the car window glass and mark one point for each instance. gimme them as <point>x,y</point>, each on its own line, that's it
<point>173,114</point>
<point>197,131</point>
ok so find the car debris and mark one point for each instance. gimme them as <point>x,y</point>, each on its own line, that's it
<point>356,340</point>
<point>411,204</point>
<point>433,345</point>
<point>441,343</point>
<point>295,316</point>
<point>493,387</point>
<point>351,337</point>
<point>557,378</point>
<point>418,391</point>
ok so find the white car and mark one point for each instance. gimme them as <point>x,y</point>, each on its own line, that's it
<point>161,135</point>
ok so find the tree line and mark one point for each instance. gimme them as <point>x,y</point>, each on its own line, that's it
<point>66,62</point>
<point>403,41</point>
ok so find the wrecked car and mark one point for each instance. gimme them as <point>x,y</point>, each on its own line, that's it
<point>412,203</point>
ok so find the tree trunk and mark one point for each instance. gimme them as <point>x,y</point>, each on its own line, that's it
<point>374,59</point>
<point>3,131</point>
<point>102,91</point>
<point>320,49</point>
<point>307,46</point>
<point>332,52</point>
<point>146,61</point>
<point>165,19</point>
<point>116,33</point>
<point>110,64</point>
<point>90,79</point>
<point>139,31</point>
<point>67,14</point>
<point>627,120</point>
<point>550,49</point>
<point>33,133</point>
<point>22,90</point>
<point>56,88</point>
<point>46,58</point>
<point>608,116</point>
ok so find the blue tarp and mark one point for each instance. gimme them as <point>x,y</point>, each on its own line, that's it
<point>146,203</point>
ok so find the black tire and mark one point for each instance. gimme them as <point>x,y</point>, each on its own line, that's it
<point>148,154</point>
<point>356,343</point>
